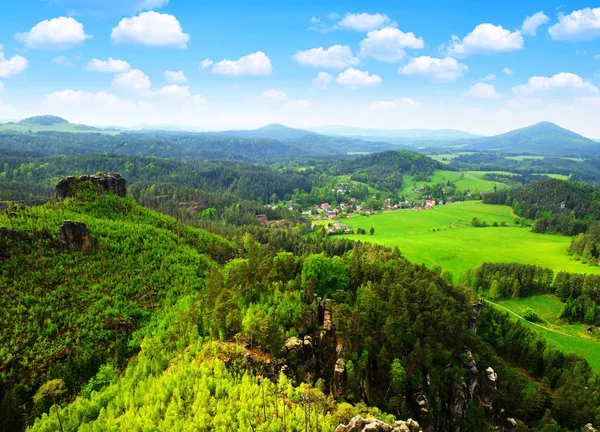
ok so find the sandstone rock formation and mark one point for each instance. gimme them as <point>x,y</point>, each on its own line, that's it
<point>110,182</point>
<point>76,235</point>
<point>360,424</point>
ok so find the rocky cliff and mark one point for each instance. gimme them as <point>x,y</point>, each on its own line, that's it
<point>109,182</point>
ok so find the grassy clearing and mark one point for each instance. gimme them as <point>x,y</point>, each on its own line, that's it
<point>566,337</point>
<point>464,180</point>
<point>446,158</point>
<point>556,176</point>
<point>531,157</point>
<point>456,245</point>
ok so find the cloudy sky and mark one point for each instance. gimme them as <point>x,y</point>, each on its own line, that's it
<point>484,67</point>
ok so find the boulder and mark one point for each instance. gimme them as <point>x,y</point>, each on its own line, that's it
<point>76,235</point>
<point>109,182</point>
<point>590,428</point>
<point>360,424</point>
<point>510,424</point>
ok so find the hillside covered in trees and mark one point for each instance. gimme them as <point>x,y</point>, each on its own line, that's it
<point>125,301</point>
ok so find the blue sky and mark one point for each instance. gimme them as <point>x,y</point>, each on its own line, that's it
<point>482,67</point>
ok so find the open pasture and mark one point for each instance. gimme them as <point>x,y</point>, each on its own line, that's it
<point>444,236</point>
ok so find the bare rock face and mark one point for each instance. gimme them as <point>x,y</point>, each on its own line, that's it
<point>110,182</point>
<point>300,358</point>
<point>489,389</point>
<point>338,384</point>
<point>423,410</point>
<point>360,424</point>
<point>476,312</point>
<point>590,428</point>
<point>76,235</point>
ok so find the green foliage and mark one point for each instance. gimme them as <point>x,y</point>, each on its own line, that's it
<point>530,315</point>
<point>324,275</point>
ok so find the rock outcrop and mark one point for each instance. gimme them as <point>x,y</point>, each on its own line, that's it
<point>76,235</point>
<point>590,428</point>
<point>477,307</point>
<point>360,424</point>
<point>109,182</point>
<point>338,384</point>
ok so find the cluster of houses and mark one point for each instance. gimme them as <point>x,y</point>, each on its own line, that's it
<point>328,211</point>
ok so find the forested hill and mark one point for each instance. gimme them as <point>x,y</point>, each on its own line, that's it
<point>385,170</point>
<point>129,319</point>
<point>542,138</point>
<point>556,205</point>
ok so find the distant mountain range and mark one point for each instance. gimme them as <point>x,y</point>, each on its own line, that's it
<point>46,123</point>
<point>394,134</point>
<point>278,140</point>
<point>544,138</point>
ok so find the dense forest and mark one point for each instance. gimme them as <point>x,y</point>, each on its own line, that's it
<point>357,321</point>
<point>556,205</point>
<point>204,300</point>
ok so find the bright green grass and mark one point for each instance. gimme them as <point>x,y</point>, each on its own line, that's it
<point>522,158</point>
<point>566,337</point>
<point>446,158</point>
<point>458,245</point>
<point>464,180</point>
<point>556,176</point>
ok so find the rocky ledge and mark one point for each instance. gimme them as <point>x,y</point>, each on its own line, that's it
<point>360,424</point>
<point>108,181</point>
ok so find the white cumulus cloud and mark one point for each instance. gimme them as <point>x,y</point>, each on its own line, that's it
<point>485,39</point>
<point>531,23</point>
<point>564,82</point>
<point>322,80</point>
<point>272,95</point>
<point>435,69</point>
<point>108,66</point>
<point>355,78</point>
<point>391,104</point>
<point>13,66</point>
<point>336,56</point>
<point>363,21</point>
<point>488,77</point>
<point>1,87</point>
<point>252,64</point>
<point>56,33</point>
<point>175,77</point>
<point>508,71</point>
<point>581,24</point>
<point>482,91</point>
<point>206,63</point>
<point>134,81</point>
<point>388,44</point>
<point>150,28</point>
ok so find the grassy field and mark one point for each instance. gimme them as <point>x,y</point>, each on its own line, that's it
<point>566,337</point>
<point>557,176</point>
<point>522,158</point>
<point>444,236</point>
<point>446,158</point>
<point>464,180</point>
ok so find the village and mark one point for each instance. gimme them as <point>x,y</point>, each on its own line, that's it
<point>326,211</point>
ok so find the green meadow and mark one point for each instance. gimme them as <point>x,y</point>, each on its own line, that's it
<point>444,236</point>
<point>464,180</point>
<point>566,337</point>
